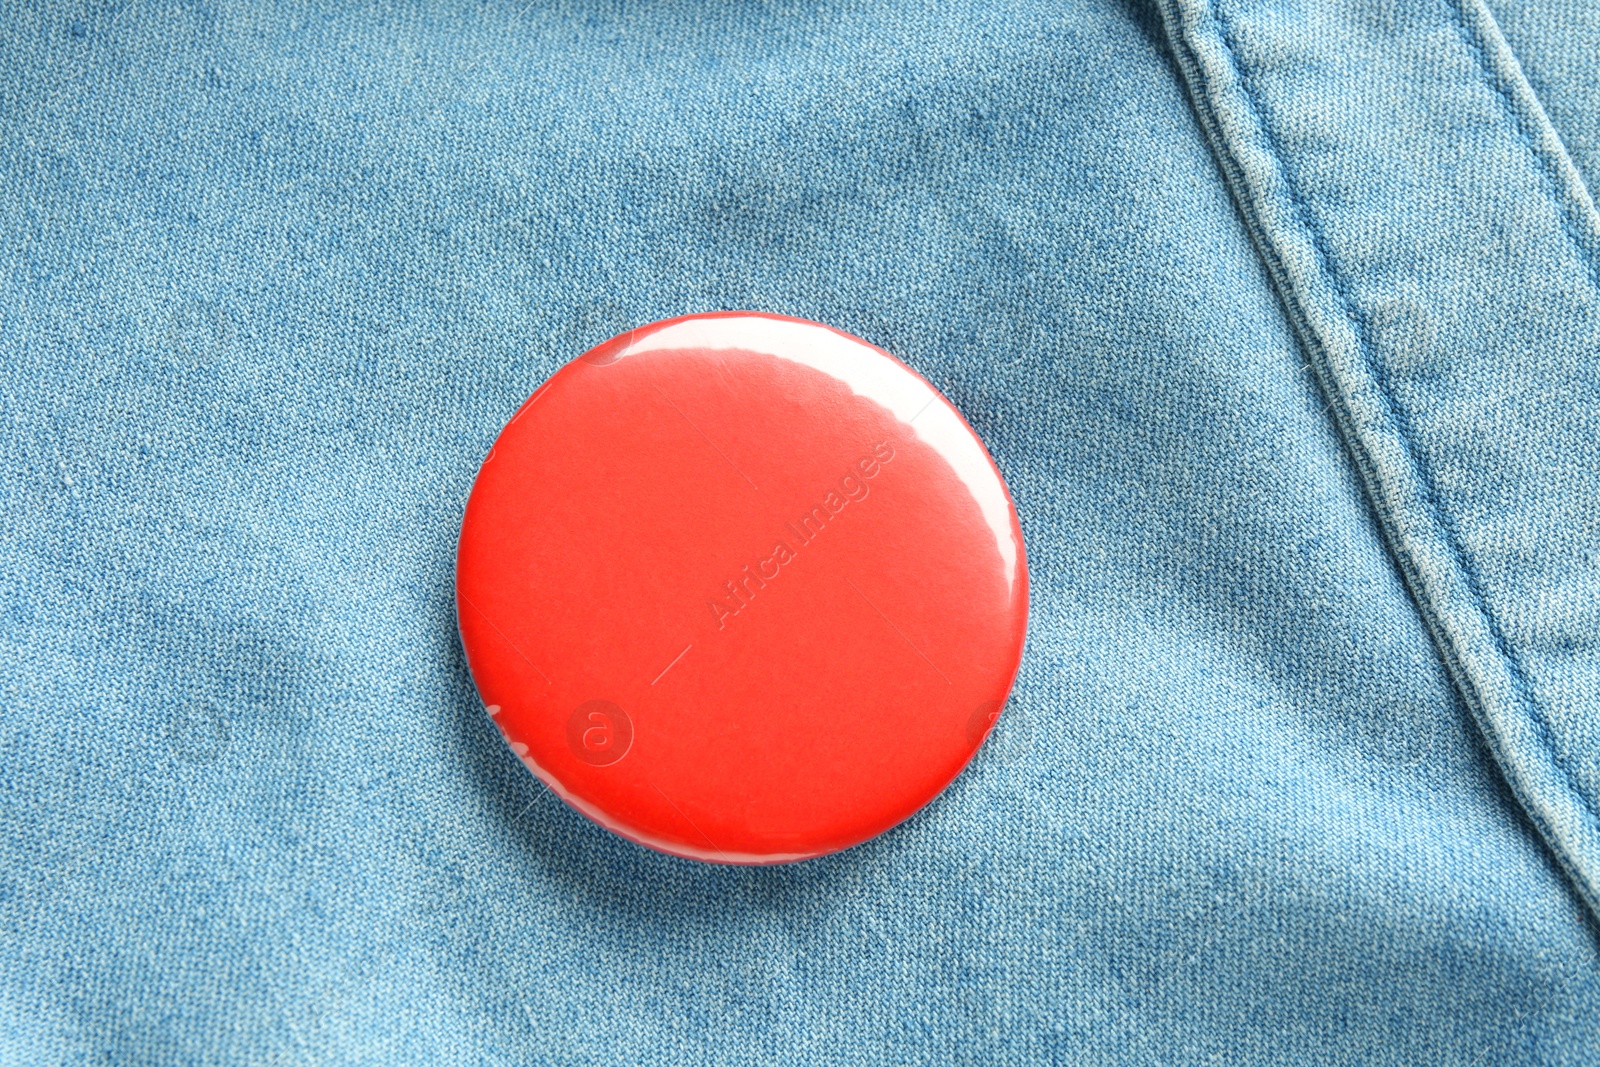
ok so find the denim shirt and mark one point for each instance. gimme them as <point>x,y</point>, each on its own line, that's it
<point>1281,318</point>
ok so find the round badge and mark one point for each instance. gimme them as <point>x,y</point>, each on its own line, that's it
<point>741,588</point>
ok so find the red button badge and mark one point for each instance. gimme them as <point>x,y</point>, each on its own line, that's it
<point>741,588</point>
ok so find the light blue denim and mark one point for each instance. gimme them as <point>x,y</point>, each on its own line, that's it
<point>1279,316</point>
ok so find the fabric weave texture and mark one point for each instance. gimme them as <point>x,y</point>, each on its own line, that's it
<point>1278,317</point>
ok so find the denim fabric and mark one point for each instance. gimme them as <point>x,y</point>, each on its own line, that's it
<point>1445,288</point>
<point>1557,45</point>
<point>274,277</point>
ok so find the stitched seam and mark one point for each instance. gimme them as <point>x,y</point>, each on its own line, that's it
<point>1541,161</point>
<point>1429,494</point>
<point>1339,405</point>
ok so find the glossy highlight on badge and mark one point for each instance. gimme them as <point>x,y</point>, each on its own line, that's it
<point>733,584</point>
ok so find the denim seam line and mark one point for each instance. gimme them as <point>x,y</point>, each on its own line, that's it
<point>1235,170</point>
<point>1563,184</point>
<point>1397,413</point>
